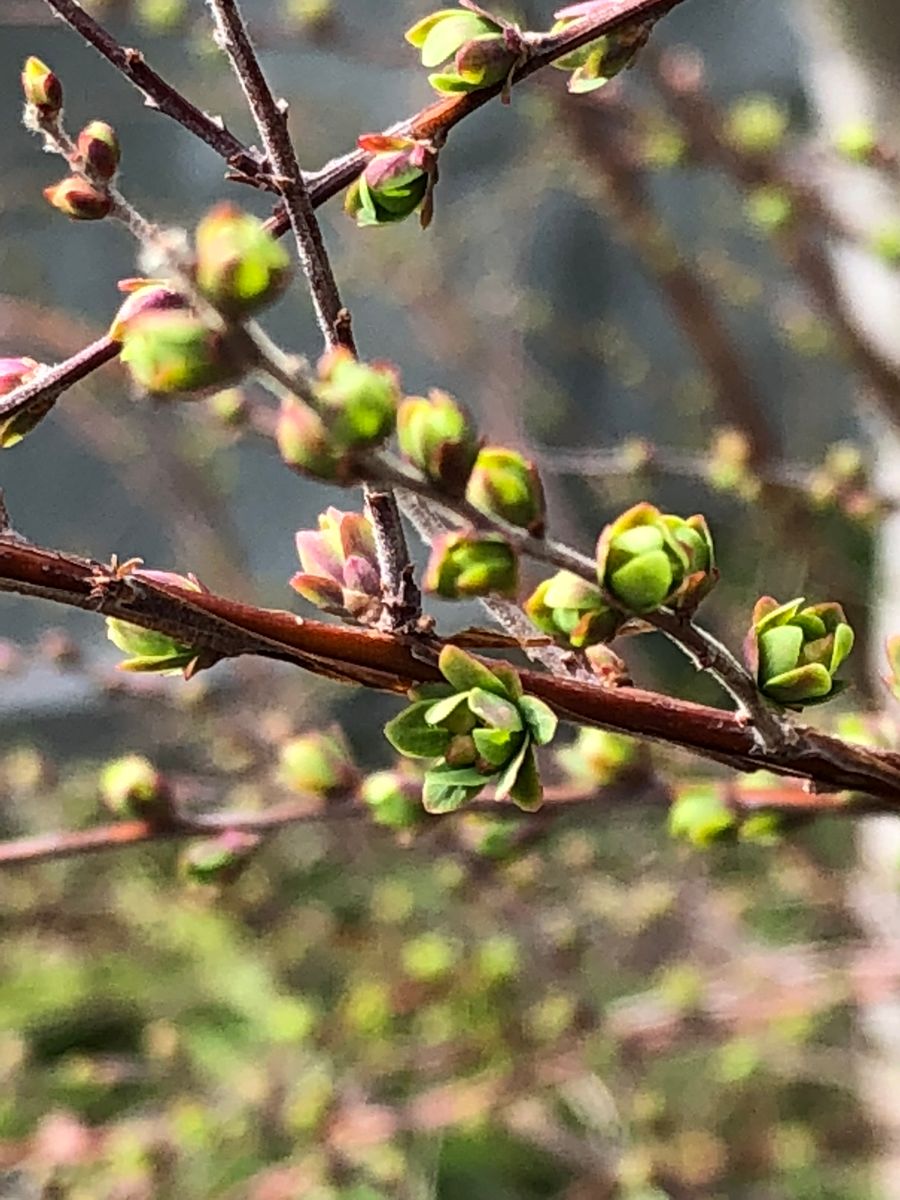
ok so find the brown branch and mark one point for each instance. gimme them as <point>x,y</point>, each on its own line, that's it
<point>392,662</point>
<point>402,605</point>
<point>48,385</point>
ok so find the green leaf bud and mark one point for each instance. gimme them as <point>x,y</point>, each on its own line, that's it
<point>359,400</point>
<point>647,559</point>
<point>393,799</point>
<point>306,445</point>
<point>218,860</point>
<point>699,815</point>
<point>463,565</point>
<point>595,64</point>
<point>572,611</point>
<point>169,352</point>
<point>857,141</point>
<point>756,124</point>
<point>437,436</point>
<point>794,650</point>
<point>397,181</point>
<point>504,484</point>
<point>240,266</point>
<point>477,49</point>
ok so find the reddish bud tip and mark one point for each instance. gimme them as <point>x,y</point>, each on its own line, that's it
<point>42,88</point>
<point>78,199</point>
<point>99,147</point>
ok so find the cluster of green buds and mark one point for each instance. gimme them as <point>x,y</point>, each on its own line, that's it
<point>594,65</point>
<point>794,650</point>
<point>151,652</point>
<point>477,49</point>
<point>356,408</point>
<point>572,611</point>
<point>648,559</point>
<point>340,567</point>
<point>13,373</point>
<point>168,348</point>
<point>477,730</point>
<point>465,565</point>
<point>397,181</point>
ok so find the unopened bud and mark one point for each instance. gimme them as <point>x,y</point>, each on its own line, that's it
<point>306,445</point>
<point>132,787</point>
<point>98,145</point>
<point>504,484</point>
<point>437,436</point>
<point>464,565</point>
<point>168,352</point>
<point>318,763</point>
<point>43,90</point>
<point>78,199</point>
<point>240,266</point>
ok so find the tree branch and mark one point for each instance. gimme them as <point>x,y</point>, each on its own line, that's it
<point>393,662</point>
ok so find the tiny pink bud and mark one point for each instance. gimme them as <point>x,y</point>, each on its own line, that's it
<point>144,295</point>
<point>15,371</point>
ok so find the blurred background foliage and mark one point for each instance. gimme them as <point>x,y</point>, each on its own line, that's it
<point>571,1009</point>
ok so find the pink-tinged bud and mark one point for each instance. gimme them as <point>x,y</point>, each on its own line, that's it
<point>78,199</point>
<point>42,88</point>
<point>15,371</point>
<point>307,446</point>
<point>144,295</point>
<point>99,148</point>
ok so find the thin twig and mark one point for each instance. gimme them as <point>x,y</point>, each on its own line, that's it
<point>157,92</point>
<point>270,117</point>
<point>402,606</point>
